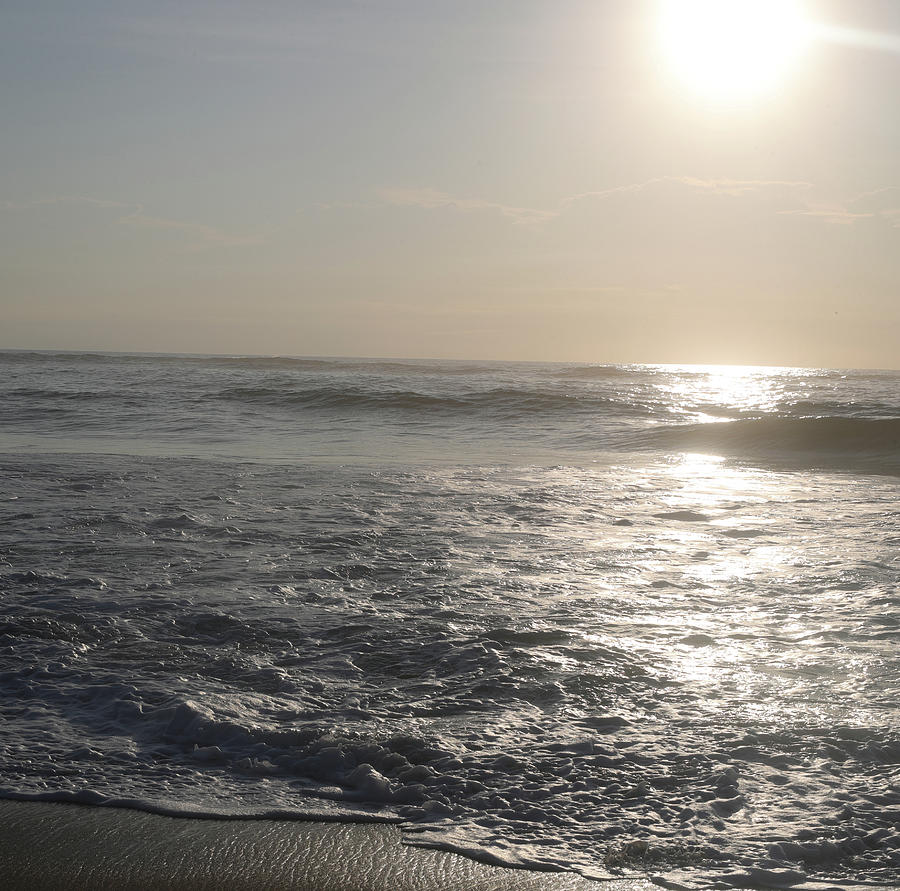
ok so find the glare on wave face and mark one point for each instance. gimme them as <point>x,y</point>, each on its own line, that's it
<point>732,49</point>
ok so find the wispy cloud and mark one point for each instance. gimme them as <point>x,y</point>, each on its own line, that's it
<point>875,204</point>
<point>780,197</point>
<point>432,199</point>
<point>65,199</point>
<point>719,186</point>
<point>837,215</point>
<point>884,203</point>
<point>783,197</point>
<point>197,235</point>
<point>887,195</point>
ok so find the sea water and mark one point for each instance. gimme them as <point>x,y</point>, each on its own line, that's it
<point>612,619</point>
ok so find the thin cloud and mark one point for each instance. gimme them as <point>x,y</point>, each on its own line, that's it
<point>431,199</point>
<point>198,234</point>
<point>792,195</point>
<point>65,199</point>
<point>874,195</point>
<point>884,203</point>
<point>731,187</point>
<point>881,204</point>
<point>836,215</point>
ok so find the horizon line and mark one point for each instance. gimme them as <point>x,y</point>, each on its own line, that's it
<point>383,358</point>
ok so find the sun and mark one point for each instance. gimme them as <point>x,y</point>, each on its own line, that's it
<point>732,49</point>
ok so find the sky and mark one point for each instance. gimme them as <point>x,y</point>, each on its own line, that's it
<point>501,179</point>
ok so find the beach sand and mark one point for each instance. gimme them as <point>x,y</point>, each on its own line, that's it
<point>46,846</point>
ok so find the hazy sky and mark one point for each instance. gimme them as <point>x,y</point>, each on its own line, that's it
<point>493,179</point>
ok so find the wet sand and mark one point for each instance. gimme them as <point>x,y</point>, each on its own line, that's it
<point>48,846</point>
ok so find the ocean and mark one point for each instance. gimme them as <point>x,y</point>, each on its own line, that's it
<point>637,620</point>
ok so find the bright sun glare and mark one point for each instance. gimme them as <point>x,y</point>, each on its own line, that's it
<point>731,49</point>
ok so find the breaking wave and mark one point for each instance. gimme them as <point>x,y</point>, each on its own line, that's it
<point>831,438</point>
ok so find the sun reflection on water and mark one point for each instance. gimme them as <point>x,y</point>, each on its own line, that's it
<point>725,550</point>
<point>716,392</point>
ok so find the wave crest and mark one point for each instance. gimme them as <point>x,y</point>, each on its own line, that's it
<point>510,400</point>
<point>827,438</point>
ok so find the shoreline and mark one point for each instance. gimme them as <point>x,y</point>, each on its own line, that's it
<point>51,845</point>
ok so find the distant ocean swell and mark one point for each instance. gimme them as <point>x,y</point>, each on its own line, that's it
<point>514,401</point>
<point>368,389</point>
<point>570,418</point>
